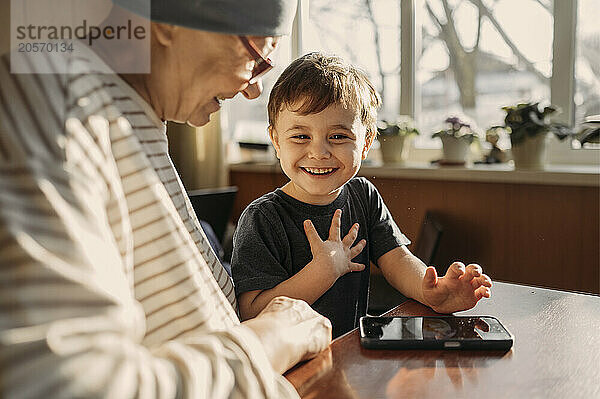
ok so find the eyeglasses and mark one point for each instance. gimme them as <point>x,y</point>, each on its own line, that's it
<point>262,65</point>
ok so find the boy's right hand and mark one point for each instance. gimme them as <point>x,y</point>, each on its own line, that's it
<point>335,254</point>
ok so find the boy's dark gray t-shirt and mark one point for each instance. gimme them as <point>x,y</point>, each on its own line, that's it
<point>270,246</point>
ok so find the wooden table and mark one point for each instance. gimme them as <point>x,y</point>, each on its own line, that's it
<point>556,354</point>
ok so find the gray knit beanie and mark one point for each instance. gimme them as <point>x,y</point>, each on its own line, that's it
<point>240,17</point>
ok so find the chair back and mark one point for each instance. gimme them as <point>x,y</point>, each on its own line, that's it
<point>214,205</point>
<point>429,238</point>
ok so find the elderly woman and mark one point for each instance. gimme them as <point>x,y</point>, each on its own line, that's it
<point>109,287</point>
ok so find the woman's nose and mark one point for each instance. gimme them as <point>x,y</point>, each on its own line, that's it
<point>253,90</point>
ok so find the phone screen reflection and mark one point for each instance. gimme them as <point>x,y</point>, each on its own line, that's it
<point>436,328</point>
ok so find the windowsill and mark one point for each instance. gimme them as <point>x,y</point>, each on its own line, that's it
<point>564,175</point>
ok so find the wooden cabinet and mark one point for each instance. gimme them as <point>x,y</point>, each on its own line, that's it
<point>537,234</point>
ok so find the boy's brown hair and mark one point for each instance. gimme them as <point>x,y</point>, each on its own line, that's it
<point>316,81</point>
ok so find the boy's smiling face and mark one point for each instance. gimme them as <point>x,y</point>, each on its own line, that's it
<point>319,152</point>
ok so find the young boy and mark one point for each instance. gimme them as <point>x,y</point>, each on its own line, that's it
<point>322,115</point>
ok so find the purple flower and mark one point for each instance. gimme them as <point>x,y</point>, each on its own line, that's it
<point>456,123</point>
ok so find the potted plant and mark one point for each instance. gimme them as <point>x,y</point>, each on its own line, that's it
<point>528,126</point>
<point>394,138</point>
<point>456,140</point>
<point>496,154</point>
<point>588,135</point>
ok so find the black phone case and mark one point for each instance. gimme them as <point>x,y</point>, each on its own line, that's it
<point>446,344</point>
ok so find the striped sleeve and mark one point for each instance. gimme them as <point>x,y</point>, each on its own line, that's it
<point>70,325</point>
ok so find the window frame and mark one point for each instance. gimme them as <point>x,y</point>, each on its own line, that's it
<point>562,81</point>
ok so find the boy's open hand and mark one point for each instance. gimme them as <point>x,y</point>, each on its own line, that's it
<point>460,289</point>
<point>336,254</point>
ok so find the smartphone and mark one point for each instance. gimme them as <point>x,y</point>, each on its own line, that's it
<point>434,332</point>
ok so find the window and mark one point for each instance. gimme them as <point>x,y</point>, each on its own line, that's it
<point>480,56</point>
<point>587,63</point>
<point>472,58</point>
<point>365,32</point>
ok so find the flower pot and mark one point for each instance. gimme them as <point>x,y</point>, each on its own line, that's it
<point>455,149</point>
<point>531,152</point>
<point>394,148</point>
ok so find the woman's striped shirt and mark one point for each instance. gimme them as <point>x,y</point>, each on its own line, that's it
<point>109,286</point>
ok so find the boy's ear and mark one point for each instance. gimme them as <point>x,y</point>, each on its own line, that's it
<point>274,140</point>
<point>369,140</point>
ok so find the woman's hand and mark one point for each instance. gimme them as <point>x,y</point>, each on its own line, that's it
<point>335,254</point>
<point>290,331</point>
